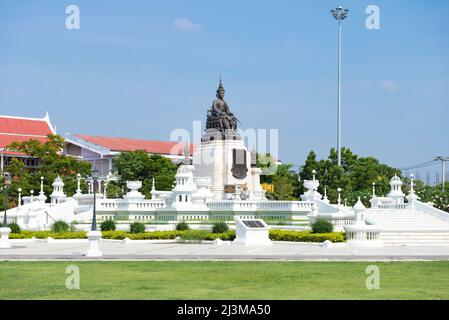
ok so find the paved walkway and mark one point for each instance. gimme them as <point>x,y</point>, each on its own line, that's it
<point>118,250</point>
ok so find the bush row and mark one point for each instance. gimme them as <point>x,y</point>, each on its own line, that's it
<point>46,234</point>
<point>306,236</point>
<point>206,235</point>
<point>275,235</point>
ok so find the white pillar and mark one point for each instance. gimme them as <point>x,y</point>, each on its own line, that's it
<point>78,189</point>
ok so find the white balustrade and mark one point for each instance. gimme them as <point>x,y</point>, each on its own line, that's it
<point>247,205</point>
<point>123,205</point>
<point>361,232</point>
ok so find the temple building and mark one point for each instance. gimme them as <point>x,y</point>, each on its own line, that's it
<point>101,150</point>
<point>98,150</point>
<point>18,129</point>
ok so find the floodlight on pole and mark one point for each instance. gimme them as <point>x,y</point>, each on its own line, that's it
<point>339,14</point>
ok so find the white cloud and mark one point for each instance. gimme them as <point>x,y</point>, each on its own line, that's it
<point>389,85</point>
<point>185,25</point>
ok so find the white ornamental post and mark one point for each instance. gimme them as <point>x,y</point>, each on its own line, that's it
<point>20,197</point>
<point>93,235</point>
<point>78,181</point>
<point>4,240</point>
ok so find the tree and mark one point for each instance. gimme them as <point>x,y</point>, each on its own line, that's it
<point>354,177</point>
<point>137,165</point>
<point>51,164</point>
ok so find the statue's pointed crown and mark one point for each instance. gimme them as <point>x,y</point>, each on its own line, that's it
<point>220,85</point>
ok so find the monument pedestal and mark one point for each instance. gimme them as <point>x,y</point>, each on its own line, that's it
<point>227,162</point>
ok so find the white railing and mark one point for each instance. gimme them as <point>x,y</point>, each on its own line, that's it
<point>338,219</point>
<point>248,205</point>
<point>361,232</point>
<point>397,206</point>
<point>123,205</point>
<point>323,206</point>
<point>427,208</point>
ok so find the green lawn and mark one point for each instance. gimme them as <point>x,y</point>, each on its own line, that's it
<point>224,280</point>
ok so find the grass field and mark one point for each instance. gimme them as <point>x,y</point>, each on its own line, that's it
<point>224,280</point>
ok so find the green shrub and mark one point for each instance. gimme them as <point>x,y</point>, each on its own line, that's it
<point>206,235</point>
<point>155,235</point>
<point>46,234</point>
<point>305,236</point>
<point>22,235</point>
<point>220,227</point>
<point>137,227</point>
<point>182,226</point>
<point>322,226</point>
<point>68,235</point>
<point>60,226</point>
<point>275,235</point>
<point>14,227</point>
<point>108,225</point>
<point>114,235</point>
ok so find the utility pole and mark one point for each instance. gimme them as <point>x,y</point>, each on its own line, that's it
<point>443,168</point>
<point>339,15</point>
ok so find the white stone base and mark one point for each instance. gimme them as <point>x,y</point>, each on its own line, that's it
<point>214,159</point>
<point>5,243</point>
<point>94,240</point>
<point>252,236</point>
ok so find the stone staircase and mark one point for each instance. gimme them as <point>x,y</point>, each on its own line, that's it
<point>410,227</point>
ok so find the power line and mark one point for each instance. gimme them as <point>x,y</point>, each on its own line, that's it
<point>420,165</point>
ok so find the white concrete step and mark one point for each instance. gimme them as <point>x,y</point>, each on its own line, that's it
<point>416,238</point>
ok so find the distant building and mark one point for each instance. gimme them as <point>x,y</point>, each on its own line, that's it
<point>18,129</point>
<point>101,150</point>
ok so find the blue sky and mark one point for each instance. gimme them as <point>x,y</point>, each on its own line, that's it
<point>131,70</point>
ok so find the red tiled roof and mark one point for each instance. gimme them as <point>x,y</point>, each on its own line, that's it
<point>6,139</point>
<point>36,127</point>
<point>125,144</point>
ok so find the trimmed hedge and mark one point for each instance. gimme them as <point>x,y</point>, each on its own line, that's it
<point>60,226</point>
<point>220,227</point>
<point>137,227</point>
<point>15,228</point>
<point>306,236</point>
<point>108,225</point>
<point>275,235</point>
<point>182,226</point>
<point>322,226</point>
<point>206,235</point>
<point>46,234</point>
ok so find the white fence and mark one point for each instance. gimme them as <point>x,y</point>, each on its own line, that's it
<point>360,232</point>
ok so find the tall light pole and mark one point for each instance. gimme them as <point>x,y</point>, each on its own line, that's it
<point>339,14</point>
<point>94,216</point>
